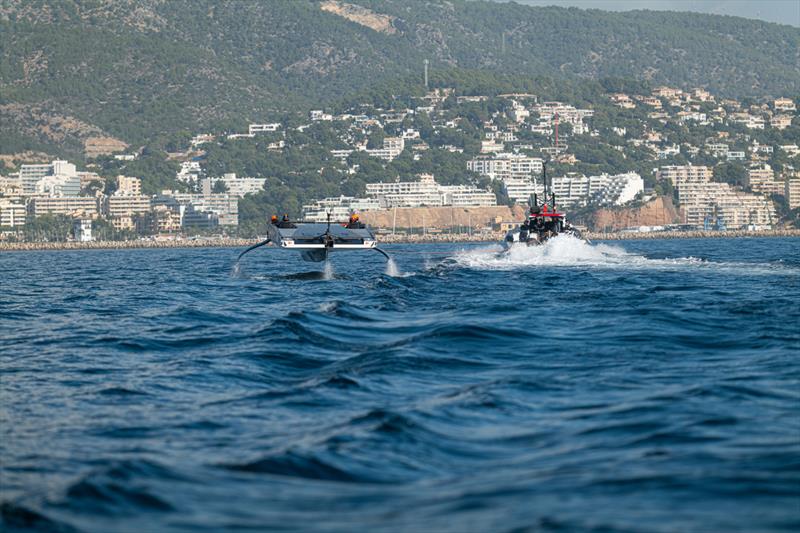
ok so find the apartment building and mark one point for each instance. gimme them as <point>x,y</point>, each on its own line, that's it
<point>12,214</point>
<point>392,147</point>
<point>66,173</point>
<point>225,206</point>
<point>86,206</point>
<point>516,171</point>
<point>426,192</point>
<point>237,186</point>
<point>128,186</point>
<point>761,178</point>
<point>604,189</point>
<point>792,191</point>
<point>339,208</point>
<point>719,201</point>
<point>682,174</point>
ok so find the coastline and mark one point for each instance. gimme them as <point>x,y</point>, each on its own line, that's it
<point>385,239</point>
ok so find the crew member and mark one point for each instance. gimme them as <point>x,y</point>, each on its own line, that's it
<point>285,222</point>
<point>274,220</point>
<point>354,222</point>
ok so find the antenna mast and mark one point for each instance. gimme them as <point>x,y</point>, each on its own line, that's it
<point>425,63</point>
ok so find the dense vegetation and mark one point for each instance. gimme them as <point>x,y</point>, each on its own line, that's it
<point>143,69</point>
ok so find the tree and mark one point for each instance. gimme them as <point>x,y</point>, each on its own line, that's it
<point>731,173</point>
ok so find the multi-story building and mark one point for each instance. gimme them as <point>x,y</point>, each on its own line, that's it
<point>128,186</point>
<point>465,196</point>
<point>720,202</point>
<point>31,175</point>
<point>12,214</point>
<point>123,210</point>
<point>225,206</point>
<point>190,172</point>
<point>82,229</point>
<point>339,208</point>
<point>681,174</point>
<point>161,219</point>
<point>784,104</point>
<point>86,206</point>
<point>392,147</point>
<point>506,165</point>
<point>604,189</point>
<point>59,185</point>
<point>516,171</point>
<point>10,187</point>
<point>426,192</point>
<point>761,179</point>
<point>235,185</point>
<point>792,191</point>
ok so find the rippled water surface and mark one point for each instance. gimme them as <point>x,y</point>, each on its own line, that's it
<point>641,386</point>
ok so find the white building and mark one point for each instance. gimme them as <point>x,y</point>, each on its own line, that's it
<point>681,174</point>
<point>263,128</point>
<point>31,175</point>
<point>235,185</point>
<point>720,202</point>
<point>59,185</point>
<point>340,208</point>
<point>190,172</point>
<point>516,171</point>
<point>12,214</point>
<point>224,206</point>
<point>784,104</point>
<point>604,189</point>
<point>318,114</point>
<point>82,229</point>
<point>392,147</point>
<point>427,193</point>
<point>86,206</point>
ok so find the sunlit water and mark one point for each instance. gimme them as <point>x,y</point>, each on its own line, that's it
<point>636,386</point>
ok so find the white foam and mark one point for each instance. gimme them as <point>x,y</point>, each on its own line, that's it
<point>328,274</point>
<point>568,251</point>
<point>391,269</point>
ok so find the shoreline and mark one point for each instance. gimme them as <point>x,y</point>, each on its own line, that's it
<point>386,239</point>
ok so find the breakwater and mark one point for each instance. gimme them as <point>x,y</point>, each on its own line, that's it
<point>622,236</point>
<point>386,239</point>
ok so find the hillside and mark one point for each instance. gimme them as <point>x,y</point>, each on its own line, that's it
<point>134,71</point>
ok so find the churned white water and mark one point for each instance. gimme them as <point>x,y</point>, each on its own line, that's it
<point>569,251</point>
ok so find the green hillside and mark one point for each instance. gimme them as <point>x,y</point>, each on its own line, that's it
<point>155,67</point>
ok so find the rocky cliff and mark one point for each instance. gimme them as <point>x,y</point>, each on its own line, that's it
<point>657,212</point>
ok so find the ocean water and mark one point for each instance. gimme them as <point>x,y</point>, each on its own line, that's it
<point>636,386</point>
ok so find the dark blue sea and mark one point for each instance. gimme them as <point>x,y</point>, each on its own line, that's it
<point>641,386</point>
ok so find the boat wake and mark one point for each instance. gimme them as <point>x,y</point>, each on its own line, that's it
<point>569,251</point>
<point>564,250</point>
